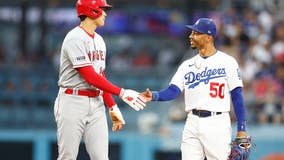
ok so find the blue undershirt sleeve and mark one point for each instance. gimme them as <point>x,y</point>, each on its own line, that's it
<point>239,108</point>
<point>167,94</point>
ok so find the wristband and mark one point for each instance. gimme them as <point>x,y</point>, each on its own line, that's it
<point>242,126</point>
<point>155,96</point>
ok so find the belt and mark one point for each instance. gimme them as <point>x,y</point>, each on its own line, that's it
<point>88,93</point>
<point>204,113</point>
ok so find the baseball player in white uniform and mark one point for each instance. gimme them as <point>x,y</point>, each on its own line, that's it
<point>209,80</point>
<point>84,90</point>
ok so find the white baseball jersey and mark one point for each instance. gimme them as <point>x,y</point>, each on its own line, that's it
<point>79,49</point>
<point>207,82</point>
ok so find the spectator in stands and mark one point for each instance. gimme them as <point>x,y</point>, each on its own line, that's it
<point>122,60</point>
<point>259,48</point>
<point>167,56</point>
<point>277,47</point>
<point>27,92</point>
<point>282,107</point>
<point>268,106</point>
<point>143,58</point>
<point>8,92</point>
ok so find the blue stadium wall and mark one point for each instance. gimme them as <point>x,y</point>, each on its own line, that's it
<point>41,145</point>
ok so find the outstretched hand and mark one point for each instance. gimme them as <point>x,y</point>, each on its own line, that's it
<point>117,118</point>
<point>133,99</point>
<point>147,95</point>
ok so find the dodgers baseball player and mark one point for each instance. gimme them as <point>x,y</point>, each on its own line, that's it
<point>209,80</point>
<point>79,108</point>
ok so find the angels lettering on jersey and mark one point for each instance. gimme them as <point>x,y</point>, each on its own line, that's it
<point>97,55</point>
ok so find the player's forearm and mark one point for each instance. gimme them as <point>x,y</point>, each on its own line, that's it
<point>167,94</point>
<point>239,108</point>
<point>108,100</point>
<point>107,97</point>
<point>89,74</point>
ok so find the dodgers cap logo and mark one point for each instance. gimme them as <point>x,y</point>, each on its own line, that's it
<point>205,26</point>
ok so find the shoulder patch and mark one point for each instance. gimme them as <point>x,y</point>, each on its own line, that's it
<point>80,58</point>
<point>239,74</point>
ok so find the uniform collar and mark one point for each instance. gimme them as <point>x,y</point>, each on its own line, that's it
<point>91,35</point>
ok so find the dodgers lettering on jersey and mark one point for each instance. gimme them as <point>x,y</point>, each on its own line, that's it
<point>207,82</point>
<point>193,79</point>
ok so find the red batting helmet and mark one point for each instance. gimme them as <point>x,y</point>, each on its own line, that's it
<point>91,8</point>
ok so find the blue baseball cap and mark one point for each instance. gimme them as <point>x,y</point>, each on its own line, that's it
<point>205,26</point>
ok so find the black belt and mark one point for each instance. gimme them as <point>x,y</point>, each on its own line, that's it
<point>204,113</point>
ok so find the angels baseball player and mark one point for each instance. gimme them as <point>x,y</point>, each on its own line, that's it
<point>209,80</point>
<point>84,90</point>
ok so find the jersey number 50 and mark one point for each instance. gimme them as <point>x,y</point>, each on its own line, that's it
<point>217,89</point>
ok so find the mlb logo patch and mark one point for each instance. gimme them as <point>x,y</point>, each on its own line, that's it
<point>239,74</point>
<point>80,58</point>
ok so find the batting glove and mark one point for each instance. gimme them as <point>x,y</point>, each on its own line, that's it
<point>117,118</point>
<point>133,99</point>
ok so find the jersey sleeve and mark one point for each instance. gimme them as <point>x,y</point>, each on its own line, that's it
<point>234,75</point>
<point>178,79</point>
<point>167,94</point>
<point>77,52</point>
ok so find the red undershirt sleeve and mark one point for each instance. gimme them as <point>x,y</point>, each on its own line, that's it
<point>93,78</point>
<point>108,98</point>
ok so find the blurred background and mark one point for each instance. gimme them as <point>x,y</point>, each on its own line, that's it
<point>146,41</point>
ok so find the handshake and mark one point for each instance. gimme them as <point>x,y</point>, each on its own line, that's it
<point>135,99</point>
